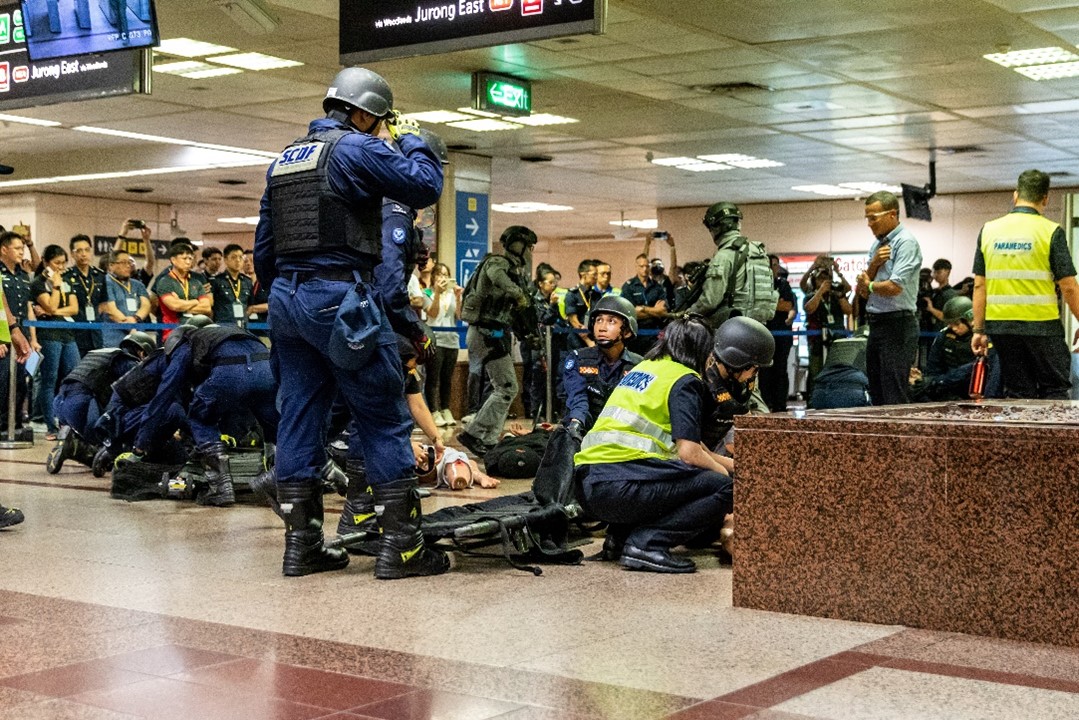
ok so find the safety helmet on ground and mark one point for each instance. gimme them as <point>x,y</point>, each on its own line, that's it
<point>517,233</point>
<point>614,305</point>
<point>717,214</point>
<point>959,308</point>
<point>743,342</point>
<point>138,342</point>
<point>359,88</point>
<point>433,141</point>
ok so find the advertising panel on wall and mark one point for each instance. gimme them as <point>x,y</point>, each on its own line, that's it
<point>25,83</point>
<point>386,29</point>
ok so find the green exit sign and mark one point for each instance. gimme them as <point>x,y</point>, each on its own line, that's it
<point>501,94</point>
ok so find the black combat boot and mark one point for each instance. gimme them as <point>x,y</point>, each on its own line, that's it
<point>401,551</point>
<point>359,513</point>
<point>103,462</point>
<point>305,553</point>
<point>64,449</point>
<point>215,460</point>
<point>264,485</point>
<point>85,451</point>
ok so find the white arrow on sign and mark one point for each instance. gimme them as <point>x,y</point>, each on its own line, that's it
<point>473,226</point>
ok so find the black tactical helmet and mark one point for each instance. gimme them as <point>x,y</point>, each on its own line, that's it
<point>742,342</point>
<point>433,141</point>
<point>959,308</point>
<point>715,216</point>
<point>614,305</point>
<point>357,87</point>
<point>198,321</point>
<point>138,342</point>
<point>517,233</point>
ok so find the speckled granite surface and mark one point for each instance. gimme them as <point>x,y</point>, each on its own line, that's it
<point>968,526</point>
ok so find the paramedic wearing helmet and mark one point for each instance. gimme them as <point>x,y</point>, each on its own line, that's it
<point>642,467</point>
<point>318,241</point>
<point>590,374</point>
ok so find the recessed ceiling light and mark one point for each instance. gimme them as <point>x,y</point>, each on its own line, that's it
<point>480,113</point>
<point>1050,72</point>
<point>639,224</point>
<point>28,121</point>
<point>251,220</point>
<point>484,125</point>
<point>725,158</point>
<point>210,72</point>
<point>253,61</point>
<point>701,166</point>
<point>828,190</point>
<point>438,116</point>
<point>673,161</point>
<point>528,207</point>
<point>1037,56</point>
<point>186,47</point>
<point>540,119</point>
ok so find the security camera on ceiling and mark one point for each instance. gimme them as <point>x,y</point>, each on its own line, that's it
<point>251,15</point>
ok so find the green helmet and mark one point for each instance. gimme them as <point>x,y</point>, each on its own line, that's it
<point>959,308</point>
<point>138,342</point>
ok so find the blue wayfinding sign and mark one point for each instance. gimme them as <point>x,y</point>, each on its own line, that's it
<point>472,237</point>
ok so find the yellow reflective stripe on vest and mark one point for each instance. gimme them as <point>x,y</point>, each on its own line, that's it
<point>646,445</point>
<point>1019,283</point>
<point>638,423</point>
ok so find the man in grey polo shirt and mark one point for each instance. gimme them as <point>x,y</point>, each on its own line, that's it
<point>890,286</point>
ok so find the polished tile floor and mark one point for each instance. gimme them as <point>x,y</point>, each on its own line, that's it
<point>163,609</point>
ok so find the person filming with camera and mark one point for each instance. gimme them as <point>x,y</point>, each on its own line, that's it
<point>826,309</point>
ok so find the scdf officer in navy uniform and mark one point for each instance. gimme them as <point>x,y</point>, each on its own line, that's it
<point>319,231</point>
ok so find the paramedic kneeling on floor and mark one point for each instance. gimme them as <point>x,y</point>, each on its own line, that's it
<point>642,467</point>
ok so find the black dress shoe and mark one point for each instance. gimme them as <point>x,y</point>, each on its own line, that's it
<point>474,445</point>
<point>634,558</point>
<point>612,548</point>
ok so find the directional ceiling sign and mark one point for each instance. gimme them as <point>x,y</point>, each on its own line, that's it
<point>401,28</point>
<point>473,239</point>
<point>502,94</point>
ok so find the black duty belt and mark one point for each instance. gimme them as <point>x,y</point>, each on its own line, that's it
<point>890,315</point>
<point>332,275</point>
<point>243,359</point>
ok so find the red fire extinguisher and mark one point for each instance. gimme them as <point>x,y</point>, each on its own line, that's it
<point>977,379</point>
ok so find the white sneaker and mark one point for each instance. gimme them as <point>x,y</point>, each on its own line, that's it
<point>448,417</point>
<point>440,419</point>
<point>467,419</point>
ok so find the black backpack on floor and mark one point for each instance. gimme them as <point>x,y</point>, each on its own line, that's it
<point>517,456</point>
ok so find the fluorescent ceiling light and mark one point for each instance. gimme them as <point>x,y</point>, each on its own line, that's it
<point>252,220</point>
<point>528,207</point>
<point>253,61</point>
<point>700,166</point>
<point>173,141</point>
<point>438,116</point>
<point>484,125</point>
<point>871,187</point>
<point>541,119</point>
<point>186,47</point>
<point>211,72</point>
<point>180,67</point>
<point>481,113</point>
<point>755,163</point>
<point>673,161</point>
<point>241,161</point>
<point>725,158</point>
<point>828,190</point>
<point>1037,56</point>
<point>638,224</point>
<point>1050,72</point>
<point>28,121</point>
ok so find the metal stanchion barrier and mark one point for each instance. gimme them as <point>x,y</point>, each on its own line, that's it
<point>11,443</point>
<point>550,365</point>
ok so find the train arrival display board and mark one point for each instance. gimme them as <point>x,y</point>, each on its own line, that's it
<point>381,29</point>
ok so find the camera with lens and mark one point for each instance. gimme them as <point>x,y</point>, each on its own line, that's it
<point>138,224</point>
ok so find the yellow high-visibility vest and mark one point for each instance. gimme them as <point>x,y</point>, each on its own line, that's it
<point>1019,284</point>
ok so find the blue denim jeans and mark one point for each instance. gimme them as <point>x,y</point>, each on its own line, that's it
<point>302,316</point>
<point>57,360</point>
<point>76,407</point>
<point>250,386</point>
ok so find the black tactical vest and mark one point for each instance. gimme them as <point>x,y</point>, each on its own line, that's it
<point>307,215</point>
<point>205,340</point>
<point>96,372</point>
<point>139,385</point>
<point>588,365</point>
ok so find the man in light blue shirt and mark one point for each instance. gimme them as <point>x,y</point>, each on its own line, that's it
<point>890,287</point>
<point>127,300</point>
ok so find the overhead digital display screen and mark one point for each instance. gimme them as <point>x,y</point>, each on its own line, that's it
<point>381,29</point>
<point>57,28</point>
<point>25,83</point>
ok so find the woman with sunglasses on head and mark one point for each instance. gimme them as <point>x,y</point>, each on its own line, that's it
<point>643,468</point>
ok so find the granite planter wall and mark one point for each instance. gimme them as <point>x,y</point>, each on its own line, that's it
<point>955,517</point>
